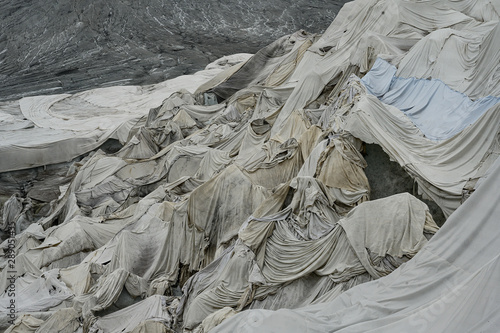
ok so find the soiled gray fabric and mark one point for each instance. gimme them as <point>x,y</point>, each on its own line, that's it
<point>449,286</point>
<point>154,308</point>
<point>258,68</point>
<point>261,201</point>
<point>371,240</point>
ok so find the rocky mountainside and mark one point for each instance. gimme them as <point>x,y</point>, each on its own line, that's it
<point>67,46</point>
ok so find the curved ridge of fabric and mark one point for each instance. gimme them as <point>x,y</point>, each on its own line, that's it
<point>68,126</point>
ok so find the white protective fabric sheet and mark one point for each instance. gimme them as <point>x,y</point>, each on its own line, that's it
<point>126,320</point>
<point>261,201</point>
<point>441,169</point>
<point>451,285</point>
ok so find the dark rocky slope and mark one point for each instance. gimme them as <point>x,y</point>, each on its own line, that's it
<point>73,45</point>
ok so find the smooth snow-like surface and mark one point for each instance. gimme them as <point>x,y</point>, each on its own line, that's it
<point>43,130</point>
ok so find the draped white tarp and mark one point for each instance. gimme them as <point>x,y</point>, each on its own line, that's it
<point>451,285</point>
<point>251,193</point>
<point>442,169</point>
